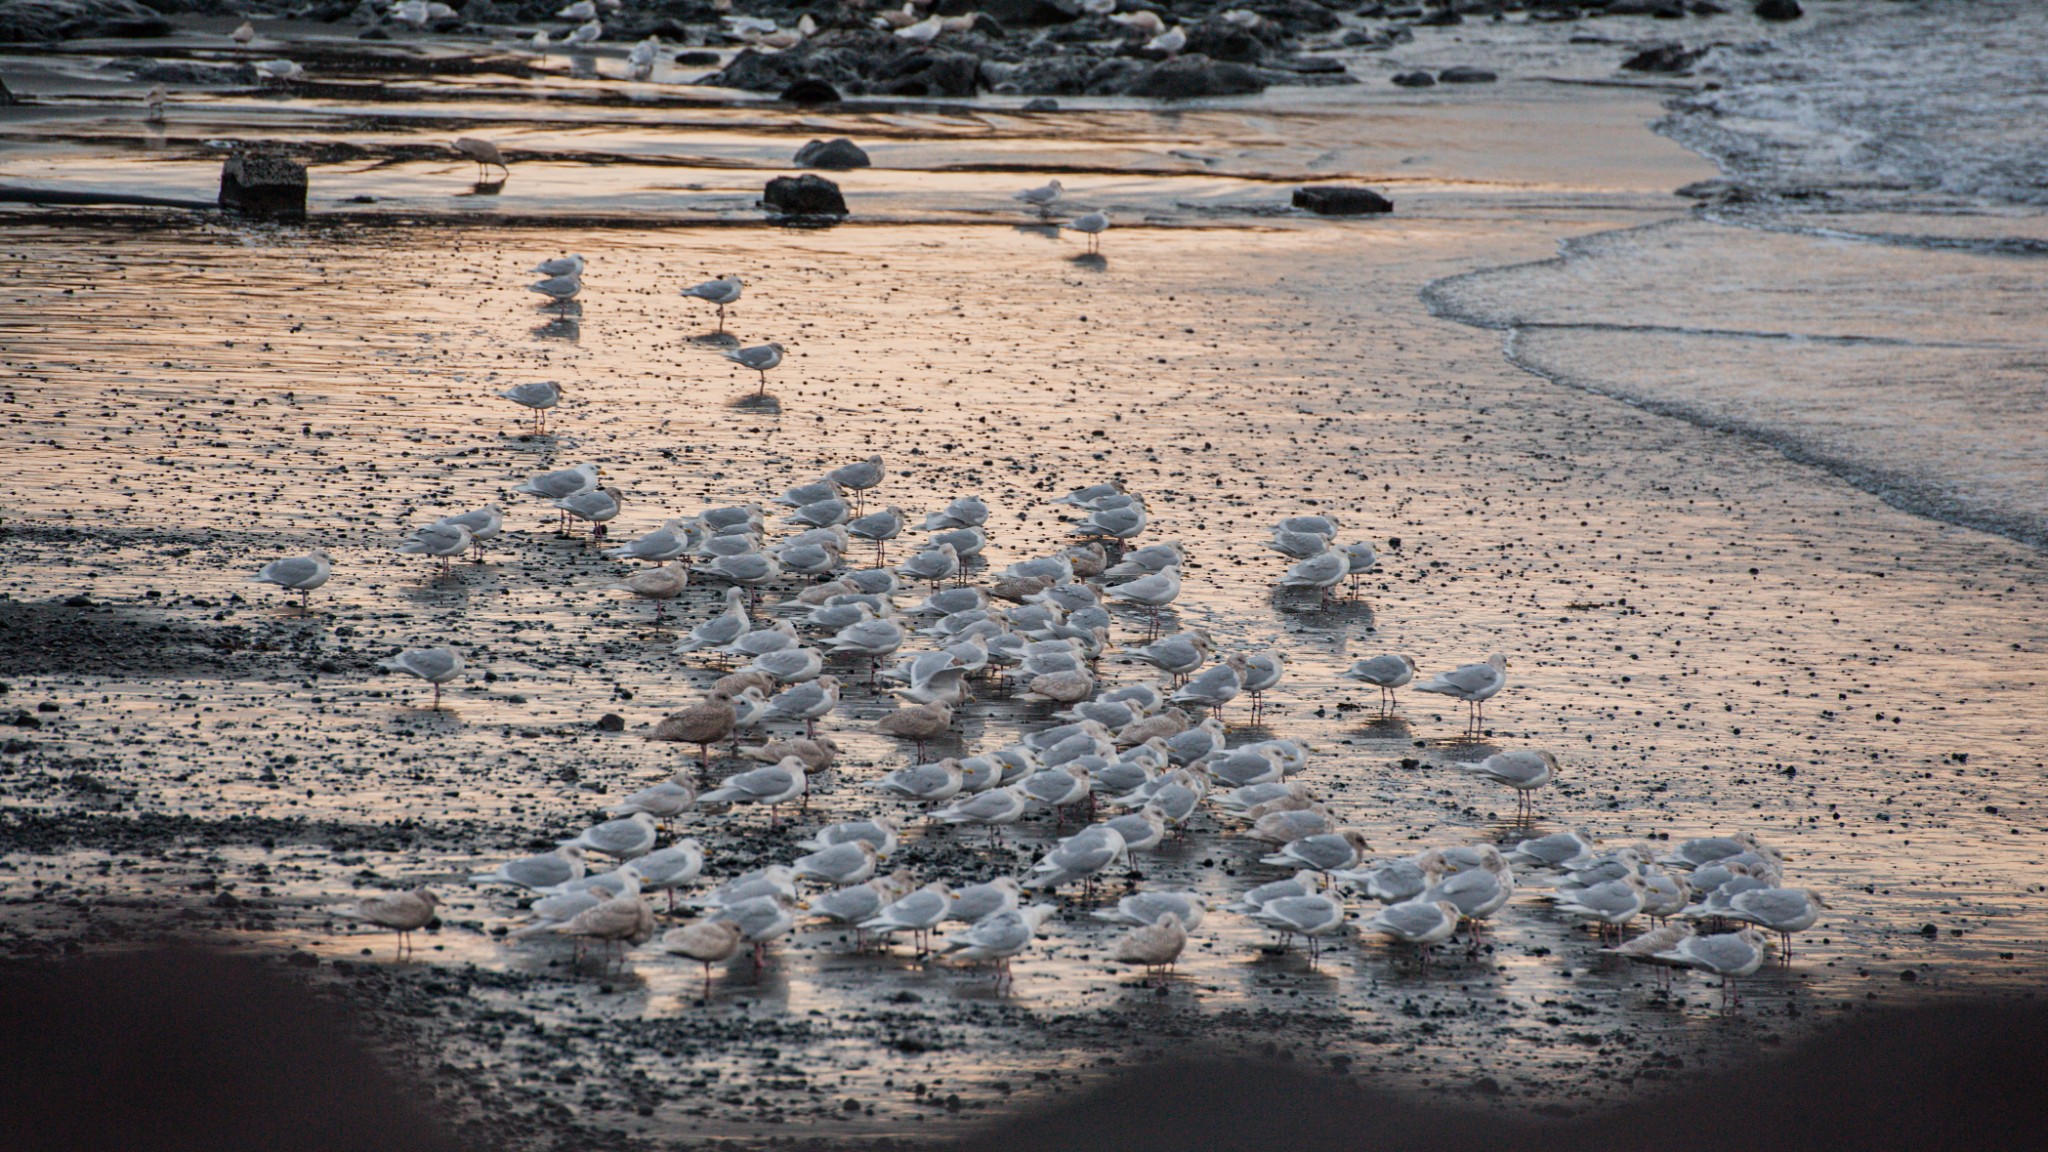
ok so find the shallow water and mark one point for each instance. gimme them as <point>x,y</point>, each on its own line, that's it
<point>1713,636</point>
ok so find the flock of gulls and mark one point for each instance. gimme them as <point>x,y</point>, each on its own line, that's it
<point>813,615</point>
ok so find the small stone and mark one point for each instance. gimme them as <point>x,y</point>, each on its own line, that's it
<point>695,58</point>
<point>611,722</point>
<point>79,601</point>
<point>1778,10</point>
<point>1415,80</point>
<point>1042,104</point>
<point>1463,75</point>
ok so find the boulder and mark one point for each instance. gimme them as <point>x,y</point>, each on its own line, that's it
<point>47,21</point>
<point>697,58</point>
<point>1226,42</point>
<point>1042,104</point>
<point>1017,13</point>
<point>1670,56</point>
<point>803,196</point>
<point>263,184</point>
<point>1466,76</point>
<point>839,155</point>
<point>1187,77</point>
<point>1341,200</point>
<point>1416,79</point>
<point>1297,16</point>
<point>187,73</point>
<point>6,97</point>
<point>858,60</point>
<point>1778,10</point>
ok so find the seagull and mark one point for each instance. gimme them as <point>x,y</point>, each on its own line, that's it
<point>1312,916</point>
<point>858,477</point>
<point>672,541</point>
<point>640,61</point>
<point>1523,771</point>
<point>562,483</point>
<point>1362,559</point>
<point>1169,42</point>
<point>980,901</point>
<point>707,942</point>
<point>484,153</point>
<point>664,801</point>
<point>1146,24</point>
<point>1042,197</point>
<point>1262,670</point>
<point>402,912</point>
<point>437,666</point>
<point>587,33</point>
<point>700,724</point>
<point>1386,673</point>
<point>560,289</point>
<point>1155,946</point>
<point>299,574</point>
<point>805,702</point>
<point>547,870</point>
<point>1322,572</point>
<point>775,785</point>
<point>1151,592</point>
<point>1091,225</point>
<point>1079,857</point>
<point>933,565</point>
<point>440,540</point>
<point>284,71</point>
<point>598,506</point>
<point>1418,922</point>
<point>560,266</point>
<point>924,31</point>
<point>760,358</point>
<point>841,864</point>
<point>1473,683</point>
<point>660,584</point>
<point>880,527</point>
<point>999,938</point>
<point>1782,910</point>
<point>625,838</point>
<point>917,913</point>
<point>581,10</point>
<point>1728,956</point>
<point>540,396</point>
<point>880,831</point>
<point>245,33</point>
<point>922,723</point>
<point>723,291</point>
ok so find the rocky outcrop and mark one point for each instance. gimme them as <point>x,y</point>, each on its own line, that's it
<point>859,60</point>
<point>1187,77</point>
<point>47,21</point>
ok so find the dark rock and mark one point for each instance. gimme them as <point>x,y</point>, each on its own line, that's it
<point>6,97</point>
<point>1026,13</point>
<point>1226,42</point>
<point>860,60</point>
<point>79,601</point>
<point>1466,76</point>
<point>700,58</point>
<point>263,184</point>
<point>1341,200</point>
<point>45,21</point>
<point>1441,18</point>
<point>1415,80</point>
<point>1705,8</point>
<point>1185,77</point>
<point>838,155</point>
<point>1663,9</point>
<point>1042,104</point>
<point>1670,56</point>
<point>611,722</point>
<point>803,196</point>
<point>1779,10</point>
<point>373,34</point>
<point>1554,15</point>
<point>188,72</point>
<point>1297,16</point>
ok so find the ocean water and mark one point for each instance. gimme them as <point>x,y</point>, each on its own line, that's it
<point>1870,300</point>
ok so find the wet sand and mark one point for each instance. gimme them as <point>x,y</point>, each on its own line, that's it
<point>1710,635</point>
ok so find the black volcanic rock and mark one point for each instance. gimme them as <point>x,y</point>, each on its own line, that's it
<point>839,154</point>
<point>803,196</point>
<point>1341,200</point>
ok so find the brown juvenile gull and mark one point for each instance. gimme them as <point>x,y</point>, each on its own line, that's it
<point>707,942</point>
<point>1155,946</point>
<point>700,724</point>
<point>402,912</point>
<point>922,724</point>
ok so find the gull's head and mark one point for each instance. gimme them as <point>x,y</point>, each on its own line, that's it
<point>1499,661</point>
